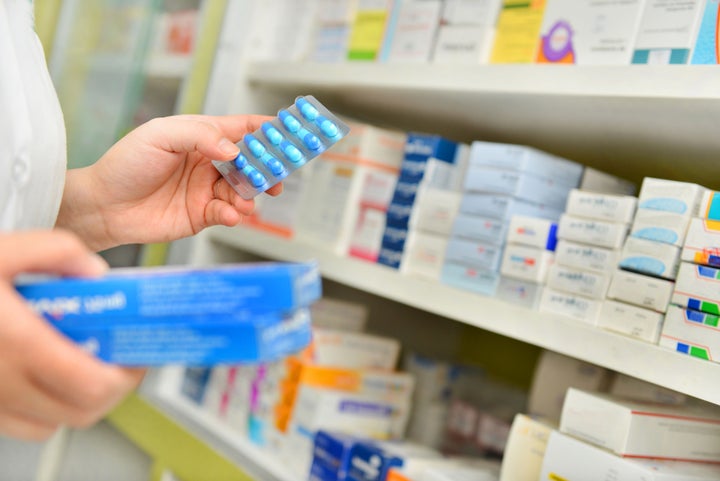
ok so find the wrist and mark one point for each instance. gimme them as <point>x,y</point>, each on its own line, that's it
<point>81,213</point>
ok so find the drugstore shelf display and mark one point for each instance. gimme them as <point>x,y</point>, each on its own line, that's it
<point>557,333</point>
<point>632,121</point>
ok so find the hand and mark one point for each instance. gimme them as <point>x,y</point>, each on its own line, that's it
<point>47,381</point>
<point>158,184</point>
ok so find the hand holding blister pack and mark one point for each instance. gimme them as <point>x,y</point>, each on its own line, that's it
<point>298,134</point>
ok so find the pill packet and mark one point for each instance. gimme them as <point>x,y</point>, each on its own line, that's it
<point>282,145</point>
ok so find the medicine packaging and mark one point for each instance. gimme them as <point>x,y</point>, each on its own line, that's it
<point>571,305</point>
<point>298,134</point>
<point>470,278</point>
<point>194,340</point>
<point>503,207</point>
<point>698,287</point>
<point>152,316</point>
<point>650,257</point>
<point>481,229</point>
<point>526,263</point>
<point>670,196</point>
<point>659,226</point>
<point>612,208</point>
<point>692,332</point>
<point>533,232</point>
<point>595,232</point>
<point>424,255</point>
<point>641,290</point>
<point>525,448</point>
<point>583,256</point>
<point>136,295</point>
<point>710,205</point>
<point>633,321</point>
<point>519,292</point>
<point>577,281</point>
<point>702,243</point>
<point>641,430</point>
<point>570,459</point>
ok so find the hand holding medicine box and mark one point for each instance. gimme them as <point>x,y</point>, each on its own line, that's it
<point>300,133</point>
<point>202,316</point>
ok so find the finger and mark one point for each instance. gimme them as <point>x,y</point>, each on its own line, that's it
<point>223,191</point>
<point>219,212</point>
<point>18,427</point>
<point>213,137</point>
<point>234,127</point>
<point>275,190</point>
<point>57,252</point>
<point>21,397</point>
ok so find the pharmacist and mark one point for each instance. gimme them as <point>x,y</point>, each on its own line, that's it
<point>154,185</point>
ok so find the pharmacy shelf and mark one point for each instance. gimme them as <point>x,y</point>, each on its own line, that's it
<point>557,333</point>
<point>188,440</point>
<point>632,121</point>
<point>646,81</point>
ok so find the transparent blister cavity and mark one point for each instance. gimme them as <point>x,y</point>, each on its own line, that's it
<point>282,145</point>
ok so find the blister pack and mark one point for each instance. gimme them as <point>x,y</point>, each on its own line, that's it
<point>298,134</point>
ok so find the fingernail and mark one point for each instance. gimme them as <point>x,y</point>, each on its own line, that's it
<point>228,147</point>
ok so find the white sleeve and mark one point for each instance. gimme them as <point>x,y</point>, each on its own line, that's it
<point>15,133</point>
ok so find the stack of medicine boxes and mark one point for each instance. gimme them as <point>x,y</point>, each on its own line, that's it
<point>418,149</point>
<point>383,155</point>
<point>529,253</point>
<point>346,382</point>
<point>641,290</point>
<point>691,323</point>
<point>432,216</point>
<point>601,434</point>
<point>502,180</point>
<point>591,233</point>
<point>331,199</point>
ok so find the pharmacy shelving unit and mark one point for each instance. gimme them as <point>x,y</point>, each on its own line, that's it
<point>630,121</point>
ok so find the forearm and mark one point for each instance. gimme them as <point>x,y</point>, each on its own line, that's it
<point>81,212</point>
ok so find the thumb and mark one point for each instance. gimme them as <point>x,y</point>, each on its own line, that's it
<point>51,252</point>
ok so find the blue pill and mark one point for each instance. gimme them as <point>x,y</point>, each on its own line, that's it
<point>311,141</point>
<point>274,165</point>
<point>306,109</point>
<point>241,161</point>
<point>254,176</point>
<point>291,152</point>
<point>290,122</point>
<point>272,134</point>
<point>327,127</point>
<point>255,146</point>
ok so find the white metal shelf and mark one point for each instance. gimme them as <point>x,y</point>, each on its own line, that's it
<point>633,121</point>
<point>557,333</point>
<point>636,81</point>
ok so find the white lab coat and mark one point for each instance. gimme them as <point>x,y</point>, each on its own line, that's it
<point>32,133</point>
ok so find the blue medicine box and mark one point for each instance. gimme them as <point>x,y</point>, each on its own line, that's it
<point>134,293</point>
<point>200,340</point>
<point>330,455</point>
<point>253,312</point>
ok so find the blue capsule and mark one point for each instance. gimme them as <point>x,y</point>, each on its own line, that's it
<point>306,109</point>
<point>290,122</point>
<point>274,166</point>
<point>291,152</point>
<point>255,146</point>
<point>240,161</point>
<point>272,134</point>
<point>254,176</point>
<point>311,141</point>
<point>327,127</point>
